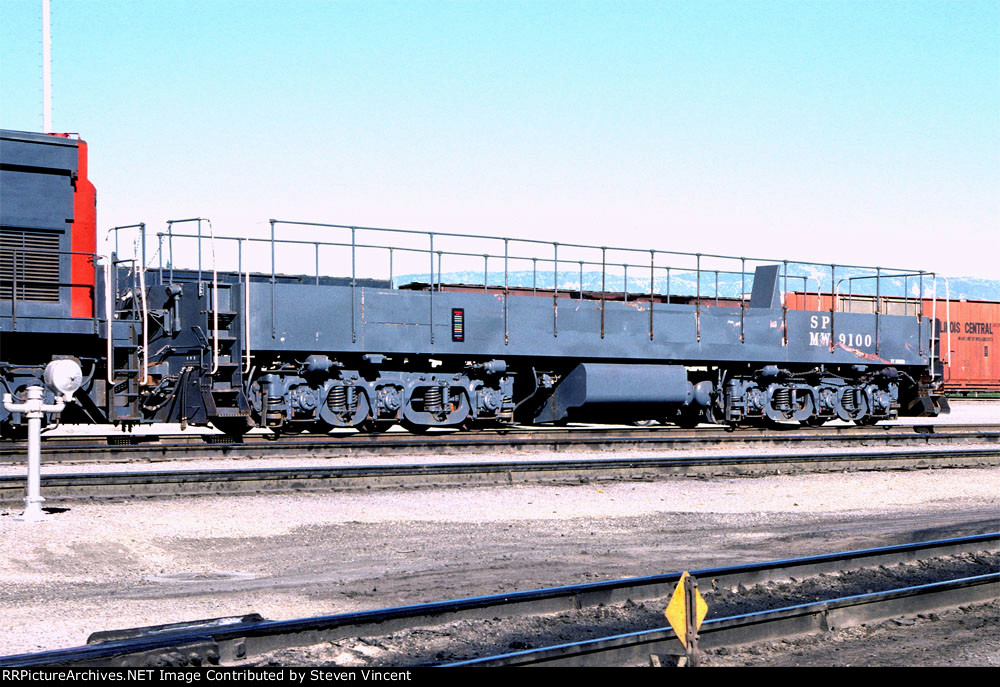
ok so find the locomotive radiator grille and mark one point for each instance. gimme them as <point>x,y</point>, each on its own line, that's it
<point>36,256</point>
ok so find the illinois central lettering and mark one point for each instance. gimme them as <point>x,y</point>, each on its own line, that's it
<point>979,328</point>
<point>971,328</point>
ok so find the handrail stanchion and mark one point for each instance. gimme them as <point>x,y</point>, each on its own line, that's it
<point>920,315</point>
<point>555,289</point>
<point>833,306</point>
<point>784,308</point>
<point>272,280</point>
<point>935,331</point>
<point>430,253</point>
<point>109,314</point>
<point>625,283</point>
<point>199,250</point>
<point>246,312</point>
<point>142,237</point>
<point>145,326</point>
<point>697,300</point>
<point>170,244</point>
<point>878,302</point>
<point>652,261</point>
<point>581,280</point>
<point>743,299</point>
<point>486,272</point>
<point>603,285</point>
<point>354,330</point>
<point>390,268</point>
<point>159,253</point>
<point>506,292</point>
<point>947,318</point>
<point>317,263</point>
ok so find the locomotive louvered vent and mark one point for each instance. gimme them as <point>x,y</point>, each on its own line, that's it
<point>36,257</point>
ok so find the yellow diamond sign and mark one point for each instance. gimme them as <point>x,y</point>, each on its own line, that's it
<point>676,612</point>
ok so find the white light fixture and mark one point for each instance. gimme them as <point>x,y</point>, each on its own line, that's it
<point>64,377</point>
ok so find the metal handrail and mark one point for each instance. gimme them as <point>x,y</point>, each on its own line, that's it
<point>564,245</point>
<point>536,259</point>
<point>433,246</point>
<point>136,266</point>
<point>436,284</point>
<point>215,273</point>
<point>605,265</point>
<point>246,319</point>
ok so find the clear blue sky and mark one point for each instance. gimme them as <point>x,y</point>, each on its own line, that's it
<point>849,131</point>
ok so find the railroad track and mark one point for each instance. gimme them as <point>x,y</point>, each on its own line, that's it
<point>638,648</point>
<point>103,485</point>
<point>135,448</point>
<point>235,640</point>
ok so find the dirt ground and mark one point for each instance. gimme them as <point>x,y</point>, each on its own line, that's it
<point>965,636</point>
<point>962,636</point>
<point>111,565</point>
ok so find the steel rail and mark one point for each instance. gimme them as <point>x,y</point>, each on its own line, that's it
<point>636,648</point>
<point>344,478</point>
<point>154,448</point>
<point>216,641</point>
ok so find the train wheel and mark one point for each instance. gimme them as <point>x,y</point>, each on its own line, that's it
<point>777,425</point>
<point>867,421</point>
<point>414,428</point>
<point>814,422</point>
<point>370,426</point>
<point>687,420</point>
<point>320,427</point>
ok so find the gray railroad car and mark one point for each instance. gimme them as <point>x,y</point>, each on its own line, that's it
<point>518,331</point>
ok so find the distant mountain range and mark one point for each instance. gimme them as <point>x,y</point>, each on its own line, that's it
<point>685,282</point>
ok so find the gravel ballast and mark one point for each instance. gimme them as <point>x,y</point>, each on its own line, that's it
<point>124,564</point>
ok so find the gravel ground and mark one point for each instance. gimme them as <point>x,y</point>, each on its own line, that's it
<point>123,564</point>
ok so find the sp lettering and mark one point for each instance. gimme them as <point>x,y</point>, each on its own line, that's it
<point>820,334</point>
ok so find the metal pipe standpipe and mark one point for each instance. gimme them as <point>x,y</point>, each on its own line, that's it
<point>63,377</point>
